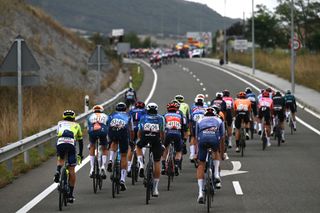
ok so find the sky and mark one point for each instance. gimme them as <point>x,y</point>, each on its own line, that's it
<point>236,8</point>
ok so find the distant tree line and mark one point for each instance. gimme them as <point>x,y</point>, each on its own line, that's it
<point>272,29</point>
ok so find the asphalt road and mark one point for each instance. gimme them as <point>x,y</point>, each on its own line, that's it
<point>280,179</point>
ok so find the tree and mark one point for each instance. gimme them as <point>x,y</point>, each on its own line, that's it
<point>237,29</point>
<point>97,38</point>
<point>133,39</point>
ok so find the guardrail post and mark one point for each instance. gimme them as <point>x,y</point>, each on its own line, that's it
<point>139,68</point>
<point>86,107</point>
<point>26,157</point>
<point>9,164</point>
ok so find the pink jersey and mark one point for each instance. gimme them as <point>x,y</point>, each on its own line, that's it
<point>265,102</point>
<point>229,102</point>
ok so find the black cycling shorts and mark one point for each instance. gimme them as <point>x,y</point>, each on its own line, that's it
<point>229,118</point>
<point>291,107</point>
<point>241,116</point>
<point>155,142</point>
<point>280,114</point>
<point>264,112</point>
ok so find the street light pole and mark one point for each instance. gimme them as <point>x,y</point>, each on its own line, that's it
<point>292,50</point>
<point>224,36</point>
<point>253,41</point>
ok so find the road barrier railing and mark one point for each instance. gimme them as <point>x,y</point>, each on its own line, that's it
<point>49,135</point>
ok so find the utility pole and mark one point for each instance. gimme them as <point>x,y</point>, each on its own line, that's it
<point>292,49</point>
<point>224,36</point>
<point>253,42</point>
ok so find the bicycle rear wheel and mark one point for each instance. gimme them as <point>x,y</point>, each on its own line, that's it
<point>133,170</point>
<point>278,133</point>
<point>63,189</point>
<point>114,184</point>
<point>242,141</point>
<point>95,179</point>
<point>208,193</point>
<point>291,126</point>
<point>264,140</point>
<point>149,182</point>
<point>251,129</point>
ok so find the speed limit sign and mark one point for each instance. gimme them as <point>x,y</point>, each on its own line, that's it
<point>296,44</point>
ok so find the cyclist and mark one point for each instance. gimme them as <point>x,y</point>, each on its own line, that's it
<point>279,110</point>
<point>242,107</point>
<point>97,129</point>
<point>119,134</point>
<point>209,132</point>
<point>131,97</point>
<point>151,130</point>
<point>136,113</point>
<point>185,109</point>
<point>252,97</point>
<point>197,112</point>
<point>222,149</point>
<point>265,107</point>
<point>229,114</point>
<point>291,105</point>
<point>174,131</point>
<point>68,132</point>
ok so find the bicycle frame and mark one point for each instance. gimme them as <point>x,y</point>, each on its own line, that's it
<point>209,183</point>
<point>148,180</point>
<point>170,164</point>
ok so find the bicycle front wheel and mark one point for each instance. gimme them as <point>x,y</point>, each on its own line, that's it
<point>95,179</point>
<point>208,193</point>
<point>133,170</point>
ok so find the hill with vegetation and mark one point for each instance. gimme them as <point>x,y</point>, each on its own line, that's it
<point>140,16</point>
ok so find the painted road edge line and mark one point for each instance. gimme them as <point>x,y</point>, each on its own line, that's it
<point>255,87</point>
<point>53,186</point>
<point>237,187</point>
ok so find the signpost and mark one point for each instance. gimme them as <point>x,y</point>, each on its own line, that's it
<point>240,44</point>
<point>98,58</point>
<point>19,59</point>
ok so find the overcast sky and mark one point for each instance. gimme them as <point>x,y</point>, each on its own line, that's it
<point>236,8</point>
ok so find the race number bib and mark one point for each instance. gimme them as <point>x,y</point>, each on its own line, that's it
<point>117,123</point>
<point>242,107</point>
<point>149,127</point>
<point>65,140</point>
<point>197,117</point>
<point>229,104</point>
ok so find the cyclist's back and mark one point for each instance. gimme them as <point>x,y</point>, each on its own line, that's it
<point>130,97</point>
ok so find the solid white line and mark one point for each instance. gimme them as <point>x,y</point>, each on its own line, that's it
<point>255,87</point>
<point>53,186</point>
<point>237,188</point>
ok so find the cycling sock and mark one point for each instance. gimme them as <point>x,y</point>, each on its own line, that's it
<point>294,124</point>
<point>91,162</point>
<point>129,166</point>
<point>247,130</point>
<point>111,155</point>
<point>192,150</point>
<point>59,168</point>
<point>140,160</point>
<point>260,126</point>
<point>200,185</point>
<point>255,125</point>
<point>144,150</point>
<point>156,182</point>
<point>123,175</point>
<point>104,159</point>
<point>216,164</point>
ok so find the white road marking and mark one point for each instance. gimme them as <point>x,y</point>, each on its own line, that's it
<point>236,165</point>
<point>204,89</point>
<point>255,87</point>
<point>191,73</point>
<point>207,95</point>
<point>201,84</point>
<point>237,188</point>
<point>198,79</point>
<point>194,76</point>
<point>53,186</point>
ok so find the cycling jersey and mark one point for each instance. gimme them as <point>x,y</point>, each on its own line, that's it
<point>174,128</point>
<point>184,108</point>
<point>209,131</point>
<point>242,108</point>
<point>265,106</point>
<point>229,109</point>
<point>197,114</point>
<point>290,102</point>
<point>118,129</point>
<point>68,132</point>
<point>97,128</point>
<point>221,103</point>
<point>136,115</point>
<point>279,107</point>
<point>252,97</point>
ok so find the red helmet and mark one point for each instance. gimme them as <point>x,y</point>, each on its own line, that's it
<point>266,94</point>
<point>172,106</point>
<point>242,95</point>
<point>139,105</point>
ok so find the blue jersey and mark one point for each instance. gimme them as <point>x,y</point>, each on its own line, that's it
<point>136,115</point>
<point>151,125</point>
<point>210,128</point>
<point>252,97</point>
<point>97,122</point>
<point>193,106</point>
<point>174,123</point>
<point>118,121</point>
<point>197,113</point>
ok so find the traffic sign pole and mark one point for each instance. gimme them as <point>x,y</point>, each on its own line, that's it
<point>99,67</point>
<point>292,50</point>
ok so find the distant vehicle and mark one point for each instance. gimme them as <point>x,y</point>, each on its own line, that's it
<point>196,53</point>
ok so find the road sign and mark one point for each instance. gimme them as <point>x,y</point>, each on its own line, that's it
<point>240,44</point>
<point>28,62</point>
<point>296,44</point>
<point>123,48</point>
<point>94,58</point>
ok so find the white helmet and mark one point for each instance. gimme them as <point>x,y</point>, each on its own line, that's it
<point>199,97</point>
<point>152,108</point>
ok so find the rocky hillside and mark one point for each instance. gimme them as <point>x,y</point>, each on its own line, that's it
<point>62,55</point>
<point>140,16</point>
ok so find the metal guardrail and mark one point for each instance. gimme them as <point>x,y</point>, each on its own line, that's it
<point>14,149</point>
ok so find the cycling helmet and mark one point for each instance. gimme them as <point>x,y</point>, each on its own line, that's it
<point>69,115</point>
<point>216,107</point>
<point>226,93</point>
<point>179,98</point>
<point>269,89</point>
<point>261,91</point>
<point>210,111</point>
<point>248,90</point>
<point>278,93</point>
<point>139,105</point>
<point>97,108</point>
<point>121,107</point>
<point>152,108</point>
<point>266,94</point>
<point>130,89</point>
<point>288,92</point>
<point>219,95</point>
<point>242,95</point>
<point>172,106</point>
<point>199,98</point>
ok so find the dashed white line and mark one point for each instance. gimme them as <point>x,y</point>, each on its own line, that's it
<point>194,76</point>
<point>207,95</point>
<point>201,84</point>
<point>237,188</point>
<point>204,89</point>
<point>191,73</point>
<point>198,79</point>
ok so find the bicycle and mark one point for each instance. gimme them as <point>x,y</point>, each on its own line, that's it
<point>242,141</point>
<point>97,179</point>
<point>277,134</point>
<point>170,164</point>
<point>134,168</point>
<point>116,175</point>
<point>264,138</point>
<point>148,178</point>
<point>290,122</point>
<point>63,185</point>
<point>251,128</point>
<point>209,182</point>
